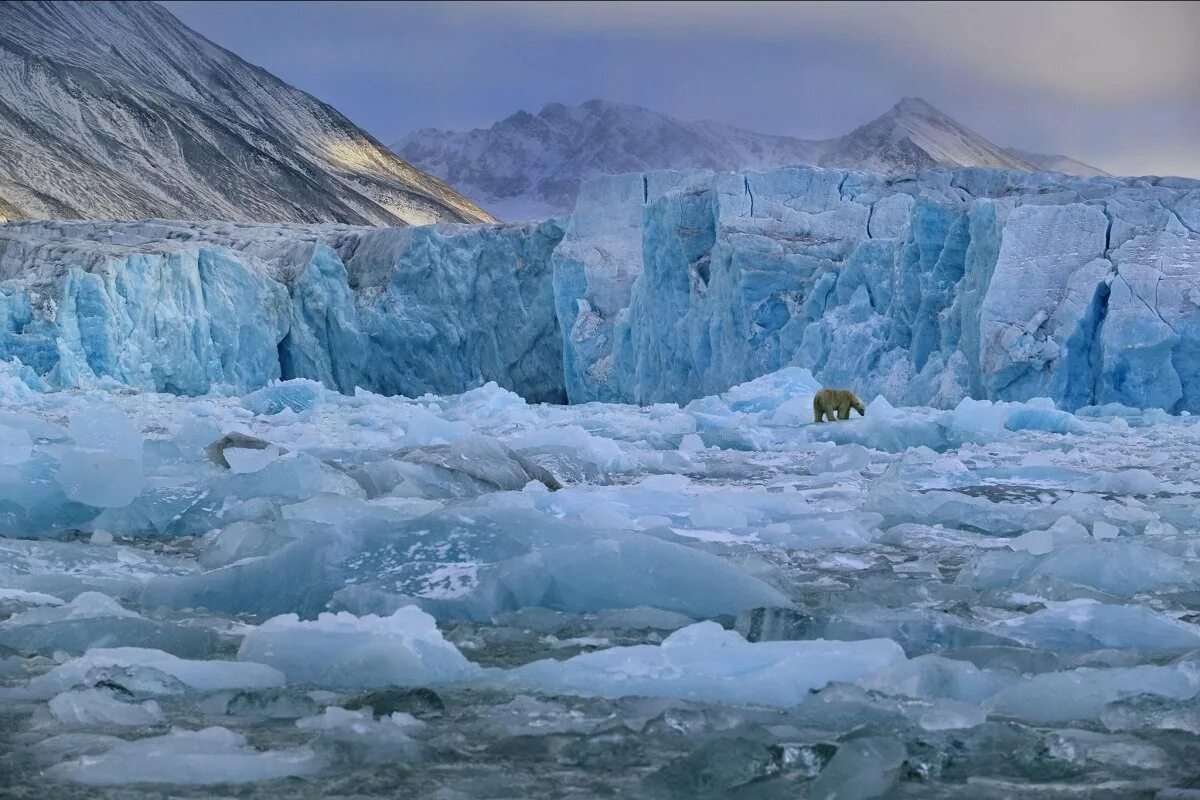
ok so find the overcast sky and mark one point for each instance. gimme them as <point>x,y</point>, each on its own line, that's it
<point>1113,84</point>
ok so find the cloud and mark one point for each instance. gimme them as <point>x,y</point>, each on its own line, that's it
<point>1103,53</point>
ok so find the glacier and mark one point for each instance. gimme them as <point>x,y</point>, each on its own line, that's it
<point>923,290</point>
<point>192,308</point>
<point>540,510</point>
<point>660,287</point>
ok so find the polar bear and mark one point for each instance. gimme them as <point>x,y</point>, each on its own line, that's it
<point>828,401</point>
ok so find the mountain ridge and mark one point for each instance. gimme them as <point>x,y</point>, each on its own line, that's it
<point>529,166</point>
<point>119,110</point>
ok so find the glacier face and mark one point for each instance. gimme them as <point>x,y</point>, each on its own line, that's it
<point>189,308</point>
<point>661,287</point>
<point>966,283</point>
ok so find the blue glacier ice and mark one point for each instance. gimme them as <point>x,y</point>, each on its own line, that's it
<point>189,308</point>
<point>660,287</point>
<point>924,289</point>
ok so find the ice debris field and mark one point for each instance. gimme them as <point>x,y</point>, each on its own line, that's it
<point>474,596</point>
<point>297,511</point>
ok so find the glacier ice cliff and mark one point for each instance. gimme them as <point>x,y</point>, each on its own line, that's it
<point>189,308</point>
<point>660,287</point>
<point>966,283</point>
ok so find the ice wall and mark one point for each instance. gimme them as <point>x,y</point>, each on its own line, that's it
<point>189,308</point>
<point>661,287</point>
<point>925,289</point>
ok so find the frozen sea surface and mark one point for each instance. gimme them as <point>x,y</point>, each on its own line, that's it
<point>471,596</point>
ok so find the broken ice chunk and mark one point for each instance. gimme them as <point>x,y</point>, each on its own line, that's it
<point>1081,694</point>
<point>1128,481</point>
<point>485,460</point>
<point>242,447</point>
<point>98,479</point>
<point>862,768</point>
<point>89,708</point>
<point>245,459</point>
<point>362,737</point>
<point>96,620</point>
<point>1064,531</point>
<point>345,651</point>
<point>298,394</point>
<point>106,429</point>
<point>15,445</point>
<point>154,672</point>
<point>1117,567</point>
<point>932,677</point>
<point>188,758</point>
<point>841,458</point>
<point>104,468</point>
<point>706,663</point>
<point>1088,625</point>
<point>1036,543</point>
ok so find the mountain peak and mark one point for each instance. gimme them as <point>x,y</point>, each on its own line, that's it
<point>915,105</point>
<point>914,136</point>
<point>227,140</point>
<point>533,171</point>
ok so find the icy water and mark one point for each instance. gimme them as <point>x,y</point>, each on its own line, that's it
<point>720,600</point>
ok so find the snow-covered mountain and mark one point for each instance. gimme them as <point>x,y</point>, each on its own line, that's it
<point>1063,164</point>
<point>527,166</point>
<point>118,110</point>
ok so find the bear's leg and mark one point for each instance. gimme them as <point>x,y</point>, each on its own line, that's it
<point>818,412</point>
<point>831,414</point>
<point>844,409</point>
